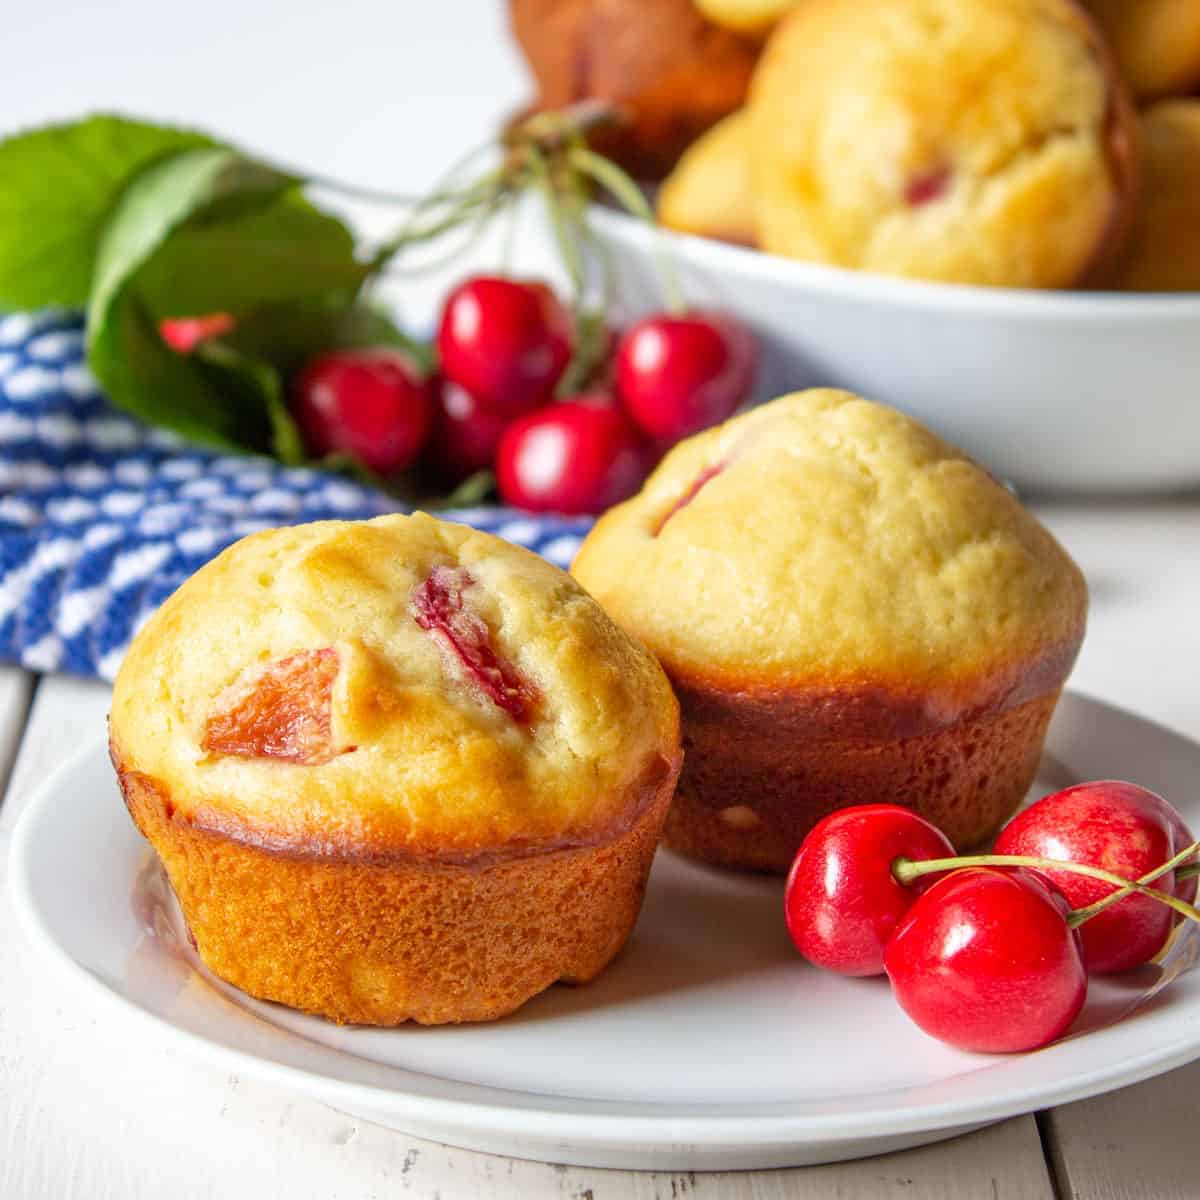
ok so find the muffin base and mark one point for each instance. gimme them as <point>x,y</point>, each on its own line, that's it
<point>371,942</point>
<point>749,794</point>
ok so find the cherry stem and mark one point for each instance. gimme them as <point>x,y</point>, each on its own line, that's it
<point>626,192</point>
<point>479,198</point>
<point>555,128</point>
<point>906,871</point>
<point>1085,914</point>
<point>564,218</point>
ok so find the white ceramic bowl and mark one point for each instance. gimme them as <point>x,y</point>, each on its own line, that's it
<point>1055,391</point>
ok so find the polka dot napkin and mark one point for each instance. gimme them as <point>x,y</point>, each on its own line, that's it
<point>102,517</point>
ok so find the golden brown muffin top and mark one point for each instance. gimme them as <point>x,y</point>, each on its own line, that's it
<point>825,542</point>
<point>1156,43</point>
<point>710,192</point>
<point>1163,254</point>
<point>391,685</point>
<point>972,141</point>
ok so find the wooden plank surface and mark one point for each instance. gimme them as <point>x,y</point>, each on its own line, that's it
<point>1001,1163</point>
<point>87,1111</point>
<point>1129,1145</point>
<point>66,715</point>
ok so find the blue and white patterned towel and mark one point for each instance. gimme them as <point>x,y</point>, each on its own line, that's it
<point>101,517</point>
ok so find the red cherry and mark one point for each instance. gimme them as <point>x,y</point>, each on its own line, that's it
<point>465,433</point>
<point>1117,826</point>
<point>842,901</point>
<point>372,404</point>
<point>506,341</point>
<point>985,960</point>
<point>581,456</point>
<point>678,375</point>
<point>184,334</point>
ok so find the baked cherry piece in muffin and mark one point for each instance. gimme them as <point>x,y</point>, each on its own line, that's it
<point>989,142</point>
<point>395,769</point>
<point>851,612</point>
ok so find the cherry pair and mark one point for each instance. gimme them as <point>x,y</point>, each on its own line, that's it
<point>992,952</point>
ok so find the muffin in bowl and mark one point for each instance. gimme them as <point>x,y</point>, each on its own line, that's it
<point>1164,251</point>
<point>396,769</point>
<point>670,72</point>
<point>710,193</point>
<point>986,142</point>
<point>850,611</point>
<point>1156,43</point>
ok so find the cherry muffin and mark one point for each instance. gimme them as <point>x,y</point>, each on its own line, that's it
<point>1164,252</point>
<point>1156,43</point>
<point>969,141</point>
<point>395,769</point>
<point>668,70</point>
<point>850,611</point>
<point>711,193</point>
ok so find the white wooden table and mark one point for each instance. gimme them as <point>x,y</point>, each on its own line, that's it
<point>86,1112</point>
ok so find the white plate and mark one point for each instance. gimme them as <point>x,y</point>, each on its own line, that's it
<point>1057,391</point>
<point>707,1044</point>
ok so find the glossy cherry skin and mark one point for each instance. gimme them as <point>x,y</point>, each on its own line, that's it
<point>676,375</point>
<point>581,456</point>
<point>842,901</point>
<point>1117,826</point>
<point>506,341</point>
<point>985,960</point>
<point>372,404</point>
<point>466,435</point>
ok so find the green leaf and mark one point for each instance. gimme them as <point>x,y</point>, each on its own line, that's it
<point>159,201</point>
<point>262,387</point>
<point>473,490</point>
<point>176,391</point>
<point>58,186</point>
<point>288,335</point>
<point>286,442</point>
<point>125,352</point>
<point>267,254</point>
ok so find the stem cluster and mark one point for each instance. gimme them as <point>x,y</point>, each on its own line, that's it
<point>546,153</point>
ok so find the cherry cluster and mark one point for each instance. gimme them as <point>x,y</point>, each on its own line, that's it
<point>992,952</point>
<point>497,400</point>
